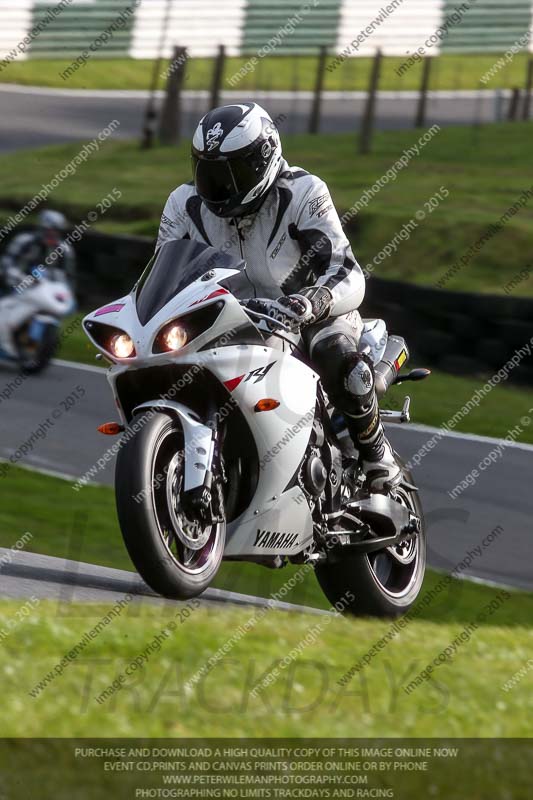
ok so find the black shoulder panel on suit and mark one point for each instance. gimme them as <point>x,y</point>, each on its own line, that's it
<point>284,200</point>
<point>193,206</point>
<point>289,176</point>
<point>316,250</point>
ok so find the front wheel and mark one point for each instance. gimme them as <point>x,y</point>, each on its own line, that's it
<point>385,583</point>
<point>34,353</point>
<point>177,555</point>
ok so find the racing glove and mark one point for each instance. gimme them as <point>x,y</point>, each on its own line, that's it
<point>321,301</point>
<point>296,310</point>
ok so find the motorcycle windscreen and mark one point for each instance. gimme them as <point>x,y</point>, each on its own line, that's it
<point>174,266</point>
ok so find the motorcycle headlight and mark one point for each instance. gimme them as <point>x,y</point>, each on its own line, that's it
<point>121,345</point>
<point>173,337</point>
<point>111,340</point>
<point>181,331</point>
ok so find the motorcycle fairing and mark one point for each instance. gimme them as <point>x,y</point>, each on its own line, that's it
<point>276,521</point>
<point>44,297</point>
<point>281,436</point>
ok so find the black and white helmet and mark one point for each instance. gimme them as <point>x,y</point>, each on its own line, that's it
<point>236,157</point>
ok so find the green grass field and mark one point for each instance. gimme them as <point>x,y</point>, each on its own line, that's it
<point>272,73</point>
<point>456,158</point>
<point>463,697</point>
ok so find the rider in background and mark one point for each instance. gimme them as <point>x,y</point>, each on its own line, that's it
<point>28,254</point>
<point>246,200</point>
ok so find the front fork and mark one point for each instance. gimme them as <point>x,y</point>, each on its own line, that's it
<point>207,500</point>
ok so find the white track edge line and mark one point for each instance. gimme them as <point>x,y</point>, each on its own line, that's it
<point>482,581</point>
<point>53,473</point>
<point>471,437</point>
<point>134,94</point>
<point>60,362</point>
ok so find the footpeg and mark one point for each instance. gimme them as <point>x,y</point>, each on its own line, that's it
<point>398,416</point>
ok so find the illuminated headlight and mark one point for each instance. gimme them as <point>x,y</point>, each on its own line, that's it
<point>121,345</point>
<point>173,337</point>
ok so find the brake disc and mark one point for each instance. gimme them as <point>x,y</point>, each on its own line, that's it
<point>191,533</point>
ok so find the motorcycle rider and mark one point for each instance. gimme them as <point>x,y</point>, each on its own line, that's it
<point>246,200</point>
<point>27,254</point>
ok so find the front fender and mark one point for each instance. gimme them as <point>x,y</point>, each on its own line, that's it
<point>198,440</point>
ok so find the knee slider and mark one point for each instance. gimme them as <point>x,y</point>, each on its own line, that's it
<point>336,358</point>
<point>359,377</point>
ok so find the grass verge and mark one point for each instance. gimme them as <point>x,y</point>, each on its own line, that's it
<point>463,697</point>
<point>449,71</point>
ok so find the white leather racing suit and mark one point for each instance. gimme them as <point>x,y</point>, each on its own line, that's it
<point>296,241</point>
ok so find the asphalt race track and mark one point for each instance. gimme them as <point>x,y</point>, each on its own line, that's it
<point>45,577</point>
<point>501,497</point>
<point>34,117</point>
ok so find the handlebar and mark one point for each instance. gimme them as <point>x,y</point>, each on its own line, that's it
<point>281,325</point>
<point>270,320</point>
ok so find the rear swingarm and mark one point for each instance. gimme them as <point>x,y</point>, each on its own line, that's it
<point>377,511</point>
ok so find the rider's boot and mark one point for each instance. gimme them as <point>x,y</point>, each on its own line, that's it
<point>364,424</point>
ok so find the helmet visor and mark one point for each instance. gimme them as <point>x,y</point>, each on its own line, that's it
<point>219,181</point>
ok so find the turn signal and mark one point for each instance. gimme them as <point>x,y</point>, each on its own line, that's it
<point>110,428</point>
<point>266,404</point>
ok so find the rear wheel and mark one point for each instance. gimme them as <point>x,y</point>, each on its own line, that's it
<point>176,554</point>
<point>385,583</point>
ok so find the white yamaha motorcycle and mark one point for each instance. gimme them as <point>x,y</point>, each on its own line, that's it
<point>30,318</point>
<point>231,451</point>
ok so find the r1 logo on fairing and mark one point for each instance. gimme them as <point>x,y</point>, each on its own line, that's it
<point>271,539</point>
<point>258,374</point>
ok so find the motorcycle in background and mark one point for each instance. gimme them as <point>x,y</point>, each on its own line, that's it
<point>30,317</point>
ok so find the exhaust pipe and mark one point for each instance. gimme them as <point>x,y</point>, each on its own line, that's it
<point>395,356</point>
